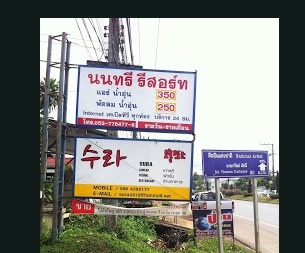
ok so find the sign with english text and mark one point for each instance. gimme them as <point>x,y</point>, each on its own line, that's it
<point>234,163</point>
<point>132,168</point>
<point>136,99</point>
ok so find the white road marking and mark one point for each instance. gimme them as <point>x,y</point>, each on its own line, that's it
<point>253,221</point>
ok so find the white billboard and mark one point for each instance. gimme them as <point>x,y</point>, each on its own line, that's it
<point>132,168</point>
<point>131,99</point>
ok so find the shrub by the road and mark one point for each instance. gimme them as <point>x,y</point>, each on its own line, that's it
<point>133,234</point>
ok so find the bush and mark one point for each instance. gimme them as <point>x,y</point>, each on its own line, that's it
<point>233,192</point>
<point>274,196</point>
<point>248,194</point>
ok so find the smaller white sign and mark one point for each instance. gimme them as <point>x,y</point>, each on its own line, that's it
<point>132,168</point>
<point>150,100</point>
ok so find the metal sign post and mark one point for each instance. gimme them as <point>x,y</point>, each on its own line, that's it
<point>219,219</point>
<point>256,220</point>
<point>236,164</point>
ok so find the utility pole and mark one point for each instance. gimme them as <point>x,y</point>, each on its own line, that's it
<point>272,155</point>
<point>113,60</point>
<point>115,46</point>
<point>58,183</point>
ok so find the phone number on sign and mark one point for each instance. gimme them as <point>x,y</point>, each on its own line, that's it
<point>111,123</point>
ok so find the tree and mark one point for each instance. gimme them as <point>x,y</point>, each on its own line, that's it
<point>198,181</point>
<point>53,95</point>
<point>240,184</point>
<point>53,100</point>
<point>264,182</point>
<point>53,104</point>
<point>277,182</point>
<point>225,186</point>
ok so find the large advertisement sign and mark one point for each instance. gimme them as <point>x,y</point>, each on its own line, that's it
<point>136,99</point>
<point>205,223</point>
<point>132,168</point>
<point>84,207</point>
<point>234,163</point>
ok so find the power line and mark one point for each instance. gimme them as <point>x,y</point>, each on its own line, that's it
<point>83,39</point>
<point>157,44</point>
<point>139,41</point>
<point>87,30</point>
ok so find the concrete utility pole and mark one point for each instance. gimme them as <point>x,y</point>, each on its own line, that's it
<point>113,60</point>
<point>272,155</point>
<point>58,183</point>
<point>60,139</point>
<point>44,150</point>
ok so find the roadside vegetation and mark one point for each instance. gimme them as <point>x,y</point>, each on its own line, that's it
<point>133,234</point>
<point>264,199</point>
<point>241,189</point>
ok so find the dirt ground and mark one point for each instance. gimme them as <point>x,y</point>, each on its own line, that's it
<point>183,221</point>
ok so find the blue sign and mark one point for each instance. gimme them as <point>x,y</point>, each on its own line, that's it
<point>205,223</point>
<point>234,163</point>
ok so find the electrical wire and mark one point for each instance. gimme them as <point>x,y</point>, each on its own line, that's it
<point>93,26</point>
<point>129,39</point>
<point>90,37</point>
<point>100,28</point>
<point>157,43</point>
<point>83,39</point>
<point>139,40</point>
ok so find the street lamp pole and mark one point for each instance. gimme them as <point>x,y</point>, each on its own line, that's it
<point>273,179</point>
<point>272,154</point>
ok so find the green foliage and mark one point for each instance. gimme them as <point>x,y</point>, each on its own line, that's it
<point>46,232</point>
<point>225,186</point>
<point>240,184</point>
<point>274,196</point>
<point>85,221</point>
<point>133,234</point>
<point>248,194</point>
<point>198,182</point>
<point>210,245</point>
<point>264,182</point>
<point>250,198</point>
<point>142,228</point>
<point>233,192</point>
<point>48,192</point>
<point>53,94</point>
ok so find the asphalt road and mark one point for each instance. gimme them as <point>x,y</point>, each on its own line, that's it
<point>268,241</point>
<point>268,233</point>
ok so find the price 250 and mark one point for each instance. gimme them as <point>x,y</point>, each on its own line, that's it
<point>166,107</point>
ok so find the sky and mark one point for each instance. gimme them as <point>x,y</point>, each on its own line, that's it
<point>237,64</point>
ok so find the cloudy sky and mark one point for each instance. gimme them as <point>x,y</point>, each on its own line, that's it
<point>237,64</point>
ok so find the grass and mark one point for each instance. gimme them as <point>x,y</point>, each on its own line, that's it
<point>250,198</point>
<point>133,234</point>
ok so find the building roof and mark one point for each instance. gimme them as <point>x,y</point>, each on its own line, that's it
<point>52,160</point>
